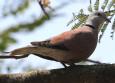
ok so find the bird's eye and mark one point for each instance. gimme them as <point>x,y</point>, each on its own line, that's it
<point>98,14</point>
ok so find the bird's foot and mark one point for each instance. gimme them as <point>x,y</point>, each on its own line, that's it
<point>70,65</point>
<point>63,64</point>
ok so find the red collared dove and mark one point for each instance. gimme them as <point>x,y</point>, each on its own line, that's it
<point>72,46</point>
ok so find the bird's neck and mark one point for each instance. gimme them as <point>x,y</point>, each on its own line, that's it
<point>95,23</point>
<point>90,26</point>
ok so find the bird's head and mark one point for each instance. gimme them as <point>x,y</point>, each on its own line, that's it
<point>97,18</point>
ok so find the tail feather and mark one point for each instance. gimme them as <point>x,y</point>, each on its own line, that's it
<point>44,52</point>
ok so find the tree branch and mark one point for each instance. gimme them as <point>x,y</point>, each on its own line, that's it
<point>103,73</point>
<point>42,7</point>
<point>14,57</point>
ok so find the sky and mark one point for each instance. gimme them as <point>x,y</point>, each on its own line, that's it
<point>103,53</point>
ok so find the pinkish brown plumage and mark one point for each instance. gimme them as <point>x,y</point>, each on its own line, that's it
<point>74,45</point>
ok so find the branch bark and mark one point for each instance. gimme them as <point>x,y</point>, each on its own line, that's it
<point>103,73</point>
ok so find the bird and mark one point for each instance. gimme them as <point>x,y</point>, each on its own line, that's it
<point>74,45</point>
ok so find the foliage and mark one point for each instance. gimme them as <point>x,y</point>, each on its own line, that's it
<point>108,6</point>
<point>5,37</point>
<point>21,7</point>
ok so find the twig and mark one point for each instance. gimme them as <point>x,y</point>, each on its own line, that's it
<point>39,1</point>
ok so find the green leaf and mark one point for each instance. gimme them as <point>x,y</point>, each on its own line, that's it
<point>113,28</point>
<point>113,25</point>
<point>20,9</point>
<point>81,18</point>
<point>90,7</point>
<point>103,28</point>
<point>96,5</point>
<point>111,4</point>
<point>73,19</point>
<point>80,21</point>
<point>104,4</point>
<point>12,40</point>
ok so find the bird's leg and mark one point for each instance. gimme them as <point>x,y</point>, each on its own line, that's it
<point>63,64</point>
<point>97,62</point>
<point>72,64</point>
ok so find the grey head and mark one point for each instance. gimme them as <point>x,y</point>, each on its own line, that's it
<point>96,19</point>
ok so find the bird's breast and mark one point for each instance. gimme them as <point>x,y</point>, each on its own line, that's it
<point>82,46</point>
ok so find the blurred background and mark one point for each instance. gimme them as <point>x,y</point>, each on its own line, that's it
<point>24,21</point>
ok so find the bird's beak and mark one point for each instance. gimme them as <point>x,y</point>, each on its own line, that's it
<point>108,20</point>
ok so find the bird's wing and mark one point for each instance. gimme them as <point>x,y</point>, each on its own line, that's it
<point>48,44</point>
<point>57,42</point>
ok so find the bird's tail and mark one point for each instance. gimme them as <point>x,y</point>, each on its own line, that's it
<point>44,52</point>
